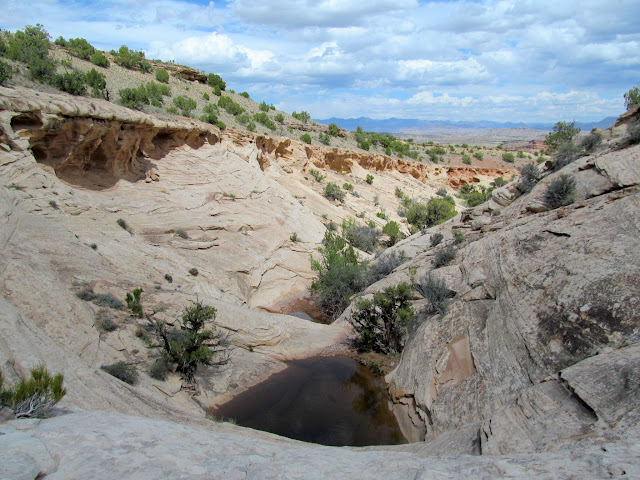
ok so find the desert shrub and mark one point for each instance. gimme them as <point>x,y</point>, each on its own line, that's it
<point>251,127</point>
<point>363,237</point>
<point>444,256</point>
<point>122,371</point>
<point>458,237</point>
<point>324,138</point>
<point>475,197</point>
<point>479,155</point>
<point>529,176</point>
<point>264,107</point>
<point>162,75</point>
<point>381,323</point>
<point>385,264</point>
<point>216,81</point>
<point>33,397</point>
<point>563,132</point>
<point>193,344</point>
<point>6,72</point>
<point>159,369</point>
<point>333,192</point>
<point>244,94</point>
<point>306,138</point>
<point>168,278</point>
<point>97,83</point>
<point>508,157</point>
<point>466,159</point>
<point>317,175</point>
<point>340,274</point>
<point>293,237</point>
<point>521,154</point>
<point>230,106</point>
<point>369,179</point>
<point>79,47</point>
<point>436,291</point>
<point>560,191</point>
<point>134,98</point>
<point>216,91</point>
<point>205,95</point>
<point>591,142</point>
<point>31,47</point>
<point>399,193</point>
<point>99,59</point>
<point>131,59</point>
<point>107,324</point>
<point>108,300</point>
<point>434,212</point>
<point>633,133</point>
<point>442,192</point>
<point>279,118</point>
<point>333,130</point>
<point>348,187</point>
<point>185,105</point>
<point>392,229</point>
<point>71,82</point>
<point>498,182</point>
<point>122,224</point>
<point>243,119</point>
<point>194,271</point>
<point>564,154</point>
<point>264,119</point>
<point>302,116</point>
<point>133,302</point>
<point>435,239</point>
<point>181,233</point>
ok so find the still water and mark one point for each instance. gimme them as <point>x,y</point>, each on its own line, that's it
<point>326,400</point>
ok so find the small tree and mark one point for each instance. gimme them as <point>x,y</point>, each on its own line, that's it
<point>562,132</point>
<point>192,344</point>
<point>381,322</point>
<point>632,98</point>
<point>393,230</point>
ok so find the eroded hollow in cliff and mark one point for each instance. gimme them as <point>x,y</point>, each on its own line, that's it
<point>327,400</point>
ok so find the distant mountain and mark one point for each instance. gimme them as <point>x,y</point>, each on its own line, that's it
<point>396,125</point>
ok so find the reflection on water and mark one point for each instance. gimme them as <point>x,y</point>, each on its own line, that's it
<point>331,401</point>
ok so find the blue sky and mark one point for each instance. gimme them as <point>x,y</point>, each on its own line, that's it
<point>529,61</point>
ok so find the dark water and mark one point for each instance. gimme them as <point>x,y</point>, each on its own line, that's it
<point>331,401</point>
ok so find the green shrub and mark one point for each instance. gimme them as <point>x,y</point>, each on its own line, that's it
<point>393,230</point>
<point>6,72</point>
<point>362,237</point>
<point>444,256</point>
<point>521,154</point>
<point>108,300</point>
<point>385,264</point>
<point>333,192</point>
<point>563,132</point>
<point>131,59</point>
<point>591,142</point>
<point>192,345</point>
<point>369,179</point>
<point>340,274</point>
<point>498,182</point>
<point>99,59</point>
<point>436,291</point>
<point>279,118</point>
<point>107,324</point>
<point>71,82</point>
<point>33,397</point>
<point>124,225</point>
<point>168,278</point>
<point>324,138</point>
<point>466,159</point>
<point>205,95</point>
<point>529,177</point>
<point>79,47</point>
<point>302,116</point>
<point>31,47</point>
<point>216,82</point>
<point>317,175</point>
<point>97,83</point>
<point>458,237</point>
<point>264,119</point>
<point>508,157</point>
<point>181,233</point>
<point>633,133</point>
<point>348,187</point>
<point>560,191</point>
<point>159,369</point>
<point>230,106</point>
<point>399,193</point>
<point>435,239</point>
<point>122,371</point>
<point>479,155</point>
<point>333,130</point>
<point>133,302</point>
<point>435,212</point>
<point>251,127</point>
<point>306,138</point>
<point>381,323</point>
<point>264,107</point>
<point>245,95</point>
<point>243,119</point>
<point>194,271</point>
<point>134,98</point>
<point>185,105</point>
<point>442,192</point>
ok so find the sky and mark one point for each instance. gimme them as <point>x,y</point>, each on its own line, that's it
<point>518,61</point>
